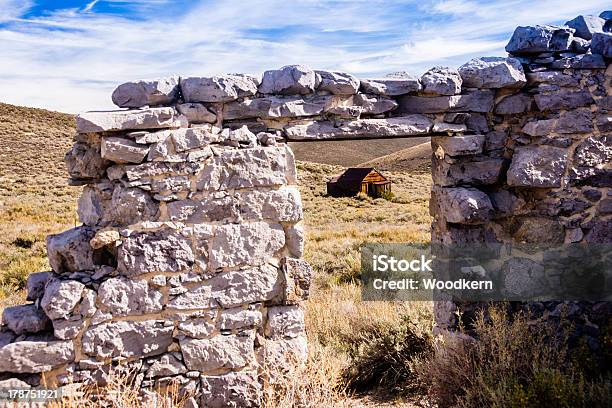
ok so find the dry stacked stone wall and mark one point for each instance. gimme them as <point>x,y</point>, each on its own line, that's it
<point>187,267</point>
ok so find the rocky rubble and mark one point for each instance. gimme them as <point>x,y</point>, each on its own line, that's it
<point>187,266</point>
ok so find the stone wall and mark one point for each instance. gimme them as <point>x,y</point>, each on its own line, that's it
<point>186,268</point>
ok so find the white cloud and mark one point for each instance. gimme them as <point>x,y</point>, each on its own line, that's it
<point>11,9</point>
<point>71,59</point>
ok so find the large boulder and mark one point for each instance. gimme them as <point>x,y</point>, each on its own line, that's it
<point>112,121</point>
<point>586,26</point>
<point>540,38</point>
<point>289,80</point>
<point>441,81</point>
<point>221,88</point>
<point>493,72</point>
<point>338,83</point>
<point>142,93</point>
<point>537,166</point>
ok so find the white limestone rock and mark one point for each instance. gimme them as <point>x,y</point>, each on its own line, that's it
<point>235,288</point>
<point>338,83</point>
<point>284,204</point>
<point>289,80</point>
<point>238,389</point>
<point>84,161</point>
<point>121,150</point>
<point>198,328</point>
<point>232,289</point>
<point>457,145</point>
<point>537,166</point>
<point>124,207</point>
<point>24,319</point>
<point>35,285</point>
<point>112,121</point>
<point>408,125</point>
<point>220,88</point>
<point>355,105</point>
<point>586,26</point>
<point>35,356</point>
<point>441,81</point>
<point>462,205</point>
<point>276,107</point>
<point>69,251</point>
<point>61,297</point>
<point>248,168</point>
<point>540,38</point>
<point>275,354</point>
<point>166,365</point>
<point>219,352</point>
<point>128,339</point>
<point>480,101</point>
<point>295,240</point>
<point>104,238</point>
<point>162,251</point>
<point>285,322</point>
<point>239,319</point>
<point>493,72</point>
<point>392,86</point>
<point>245,244</point>
<point>196,113</point>
<point>126,297</point>
<point>137,94</point>
<point>297,276</point>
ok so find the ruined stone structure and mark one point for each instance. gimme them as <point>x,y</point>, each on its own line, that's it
<point>187,266</point>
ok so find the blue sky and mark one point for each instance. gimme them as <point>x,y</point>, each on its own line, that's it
<point>69,55</point>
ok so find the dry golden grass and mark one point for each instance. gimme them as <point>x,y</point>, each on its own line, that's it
<point>35,199</point>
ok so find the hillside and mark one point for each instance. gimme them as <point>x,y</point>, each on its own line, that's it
<point>350,153</point>
<point>416,158</point>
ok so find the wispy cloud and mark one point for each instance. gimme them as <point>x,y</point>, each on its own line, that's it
<point>71,58</point>
<point>10,9</point>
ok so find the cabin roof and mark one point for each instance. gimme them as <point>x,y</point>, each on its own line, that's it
<point>355,174</point>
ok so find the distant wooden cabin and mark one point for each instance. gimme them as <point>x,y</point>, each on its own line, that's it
<point>356,180</point>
